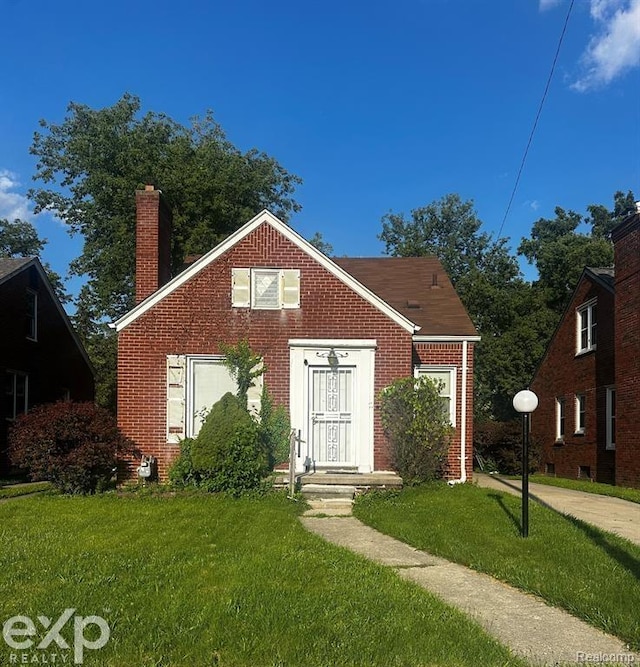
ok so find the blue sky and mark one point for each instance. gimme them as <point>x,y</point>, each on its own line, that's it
<point>377,105</point>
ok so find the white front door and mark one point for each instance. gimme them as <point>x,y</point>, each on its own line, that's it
<point>331,415</point>
<point>331,402</point>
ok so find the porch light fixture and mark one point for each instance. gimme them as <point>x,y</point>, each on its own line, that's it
<point>525,402</point>
<point>332,357</point>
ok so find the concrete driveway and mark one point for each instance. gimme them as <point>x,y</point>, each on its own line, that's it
<point>612,514</point>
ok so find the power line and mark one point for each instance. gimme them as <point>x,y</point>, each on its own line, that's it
<point>535,122</point>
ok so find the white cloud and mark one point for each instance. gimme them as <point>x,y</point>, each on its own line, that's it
<point>548,4</point>
<point>616,47</point>
<point>12,203</point>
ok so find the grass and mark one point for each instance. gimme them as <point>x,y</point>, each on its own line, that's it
<point>205,580</point>
<point>592,574</point>
<point>15,490</point>
<point>632,495</point>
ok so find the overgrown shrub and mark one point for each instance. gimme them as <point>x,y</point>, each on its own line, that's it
<point>275,429</point>
<point>228,454</point>
<point>417,427</point>
<point>73,445</point>
<point>182,473</point>
<point>499,445</point>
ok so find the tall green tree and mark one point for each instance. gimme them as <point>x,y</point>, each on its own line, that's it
<point>489,282</point>
<point>561,247</point>
<point>90,165</point>
<point>20,239</point>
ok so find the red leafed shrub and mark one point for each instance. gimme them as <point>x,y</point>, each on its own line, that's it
<point>73,445</point>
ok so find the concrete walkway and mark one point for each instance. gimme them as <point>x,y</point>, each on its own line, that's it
<point>541,634</point>
<point>613,514</point>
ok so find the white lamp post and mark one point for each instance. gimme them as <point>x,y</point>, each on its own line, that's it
<point>525,402</point>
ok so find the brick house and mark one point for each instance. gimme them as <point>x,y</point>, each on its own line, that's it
<point>588,381</point>
<point>41,357</point>
<point>332,334</point>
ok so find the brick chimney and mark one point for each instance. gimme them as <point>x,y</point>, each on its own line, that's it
<point>626,244</point>
<point>153,242</point>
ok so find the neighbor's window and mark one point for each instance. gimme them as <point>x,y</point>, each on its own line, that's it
<point>16,394</point>
<point>611,417</point>
<point>32,315</point>
<point>586,327</point>
<point>265,288</point>
<point>560,418</point>
<point>446,375</point>
<point>581,403</point>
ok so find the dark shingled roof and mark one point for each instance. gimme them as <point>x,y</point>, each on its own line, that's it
<point>417,287</point>
<point>11,265</point>
<point>606,274</point>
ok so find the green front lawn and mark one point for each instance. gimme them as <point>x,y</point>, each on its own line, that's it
<point>14,490</point>
<point>202,580</point>
<point>592,574</point>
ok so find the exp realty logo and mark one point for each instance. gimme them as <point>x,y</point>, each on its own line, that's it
<point>17,632</point>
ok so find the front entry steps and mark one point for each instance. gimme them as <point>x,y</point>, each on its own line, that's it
<point>331,493</point>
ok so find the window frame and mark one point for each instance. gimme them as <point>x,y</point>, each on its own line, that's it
<point>580,414</point>
<point>591,329</point>
<point>13,393</point>
<point>611,407</point>
<point>561,418</point>
<point>425,369</point>
<point>32,317</point>
<point>256,273</point>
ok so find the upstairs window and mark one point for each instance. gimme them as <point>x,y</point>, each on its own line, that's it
<point>265,289</point>
<point>586,327</point>
<point>32,315</point>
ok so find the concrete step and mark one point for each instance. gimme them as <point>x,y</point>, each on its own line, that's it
<point>384,480</point>
<point>328,491</point>
<point>329,507</point>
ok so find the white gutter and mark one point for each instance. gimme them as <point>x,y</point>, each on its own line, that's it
<point>463,420</point>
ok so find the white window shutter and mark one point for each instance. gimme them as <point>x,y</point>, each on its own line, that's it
<point>290,281</point>
<point>254,395</point>
<point>240,288</point>
<point>176,395</point>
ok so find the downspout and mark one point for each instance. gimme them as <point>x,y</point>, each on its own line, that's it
<point>463,420</point>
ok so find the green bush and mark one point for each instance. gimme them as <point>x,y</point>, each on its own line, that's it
<point>75,446</point>
<point>499,445</point>
<point>417,427</point>
<point>228,454</point>
<point>182,473</point>
<point>275,429</point>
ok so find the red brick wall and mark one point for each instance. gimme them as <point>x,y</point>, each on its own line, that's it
<point>153,242</point>
<point>451,354</point>
<point>198,316</point>
<point>562,374</point>
<point>627,261</point>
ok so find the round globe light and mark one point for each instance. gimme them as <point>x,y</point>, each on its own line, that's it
<point>525,401</point>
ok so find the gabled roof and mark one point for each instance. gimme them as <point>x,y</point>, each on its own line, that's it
<point>12,266</point>
<point>604,275</point>
<point>417,287</point>
<point>265,217</point>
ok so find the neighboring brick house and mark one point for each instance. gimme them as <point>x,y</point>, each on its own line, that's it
<point>332,333</point>
<point>588,382</point>
<point>41,357</point>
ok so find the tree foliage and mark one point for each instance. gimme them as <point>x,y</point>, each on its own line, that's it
<point>90,165</point>
<point>561,247</point>
<point>20,239</point>
<point>317,241</point>
<point>244,366</point>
